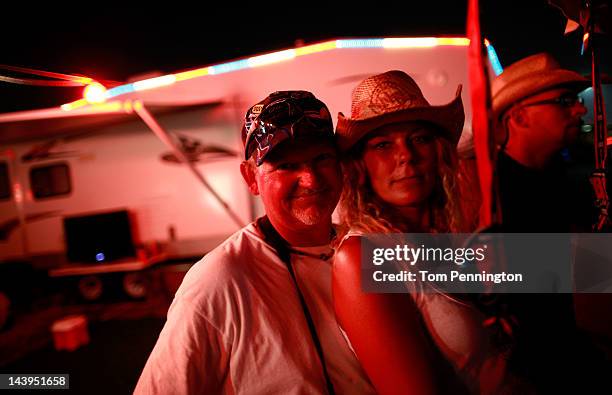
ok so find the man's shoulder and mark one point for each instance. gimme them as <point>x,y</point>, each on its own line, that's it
<point>235,247</point>
<point>226,265</point>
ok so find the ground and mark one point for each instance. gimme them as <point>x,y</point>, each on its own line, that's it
<point>122,333</point>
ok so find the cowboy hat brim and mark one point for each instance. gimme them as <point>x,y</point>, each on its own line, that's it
<point>506,95</point>
<point>449,117</point>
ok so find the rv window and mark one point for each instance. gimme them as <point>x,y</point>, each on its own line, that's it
<point>5,184</point>
<point>48,181</point>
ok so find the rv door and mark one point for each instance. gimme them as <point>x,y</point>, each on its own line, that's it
<point>13,244</point>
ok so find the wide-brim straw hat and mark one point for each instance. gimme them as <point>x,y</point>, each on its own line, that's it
<point>529,76</point>
<point>394,97</point>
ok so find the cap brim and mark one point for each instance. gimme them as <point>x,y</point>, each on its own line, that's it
<point>315,136</point>
<point>449,117</point>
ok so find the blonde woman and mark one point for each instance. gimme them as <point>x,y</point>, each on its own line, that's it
<point>401,176</point>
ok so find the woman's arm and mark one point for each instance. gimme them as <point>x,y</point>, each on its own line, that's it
<point>384,329</point>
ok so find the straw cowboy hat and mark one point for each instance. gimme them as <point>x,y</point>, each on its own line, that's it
<point>529,76</point>
<point>394,97</point>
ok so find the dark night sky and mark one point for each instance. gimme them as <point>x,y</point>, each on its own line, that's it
<point>116,44</point>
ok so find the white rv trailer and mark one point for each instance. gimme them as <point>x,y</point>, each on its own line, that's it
<point>80,159</point>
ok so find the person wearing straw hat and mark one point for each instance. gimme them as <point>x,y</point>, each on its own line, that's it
<point>431,186</point>
<point>402,176</point>
<point>538,112</point>
<point>255,315</point>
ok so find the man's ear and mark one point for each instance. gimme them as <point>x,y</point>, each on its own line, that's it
<point>247,169</point>
<point>520,117</point>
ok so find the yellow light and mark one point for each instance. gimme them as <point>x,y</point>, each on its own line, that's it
<point>109,107</point>
<point>424,42</point>
<point>95,107</point>
<point>487,43</point>
<point>127,106</point>
<point>154,82</point>
<point>454,41</point>
<point>309,49</point>
<point>274,57</point>
<point>95,93</point>
<point>191,74</point>
<point>412,42</point>
<point>85,80</point>
<point>74,105</point>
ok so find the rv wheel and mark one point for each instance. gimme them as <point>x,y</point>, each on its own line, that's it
<point>90,288</point>
<point>135,285</point>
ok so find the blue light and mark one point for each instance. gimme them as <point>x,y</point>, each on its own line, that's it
<point>120,90</point>
<point>497,67</point>
<point>565,154</point>
<point>370,43</point>
<point>227,67</point>
<point>100,257</point>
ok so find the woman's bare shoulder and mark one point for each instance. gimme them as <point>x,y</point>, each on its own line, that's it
<point>349,250</point>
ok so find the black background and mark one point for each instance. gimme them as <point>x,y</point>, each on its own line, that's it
<point>115,43</point>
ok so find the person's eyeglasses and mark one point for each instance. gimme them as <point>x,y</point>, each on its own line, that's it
<point>566,100</point>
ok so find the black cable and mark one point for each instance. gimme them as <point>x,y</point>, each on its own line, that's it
<point>282,249</point>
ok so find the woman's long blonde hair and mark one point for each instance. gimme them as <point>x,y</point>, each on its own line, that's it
<point>360,209</point>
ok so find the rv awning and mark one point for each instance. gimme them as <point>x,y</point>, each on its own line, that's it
<point>53,122</point>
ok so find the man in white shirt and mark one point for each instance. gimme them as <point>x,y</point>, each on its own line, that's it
<point>255,315</point>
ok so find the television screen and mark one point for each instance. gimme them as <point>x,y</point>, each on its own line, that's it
<point>99,238</point>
